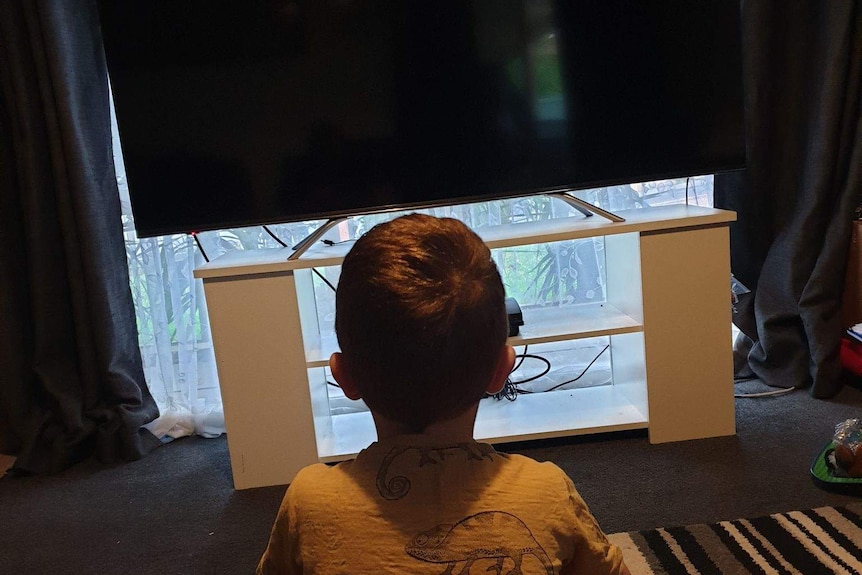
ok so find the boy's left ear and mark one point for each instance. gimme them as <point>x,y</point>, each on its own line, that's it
<point>343,377</point>
<point>505,363</point>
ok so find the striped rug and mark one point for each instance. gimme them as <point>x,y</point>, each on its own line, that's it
<point>822,540</point>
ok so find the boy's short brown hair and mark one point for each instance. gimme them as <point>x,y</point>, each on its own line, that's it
<point>420,318</point>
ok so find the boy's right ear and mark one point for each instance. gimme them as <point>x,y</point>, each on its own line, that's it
<point>505,363</point>
<point>341,373</point>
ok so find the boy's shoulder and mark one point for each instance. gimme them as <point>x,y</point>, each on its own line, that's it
<point>315,476</point>
<point>377,463</point>
<point>540,470</point>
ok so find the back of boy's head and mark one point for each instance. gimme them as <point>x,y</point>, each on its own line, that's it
<point>420,318</point>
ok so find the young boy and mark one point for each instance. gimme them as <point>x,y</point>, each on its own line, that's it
<point>422,326</point>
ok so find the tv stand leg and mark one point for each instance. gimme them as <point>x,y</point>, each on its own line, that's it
<point>586,208</point>
<point>309,240</point>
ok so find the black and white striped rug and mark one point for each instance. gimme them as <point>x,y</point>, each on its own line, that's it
<point>822,540</point>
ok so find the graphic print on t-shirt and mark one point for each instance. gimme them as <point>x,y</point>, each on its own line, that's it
<point>398,486</point>
<point>493,535</point>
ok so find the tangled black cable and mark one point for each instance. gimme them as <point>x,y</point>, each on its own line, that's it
<point>511,391</point>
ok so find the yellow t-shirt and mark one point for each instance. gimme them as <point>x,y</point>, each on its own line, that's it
<point>415,504</point>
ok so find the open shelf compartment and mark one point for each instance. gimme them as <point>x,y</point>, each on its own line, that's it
<point>618,406</point>
<point>561,413</point>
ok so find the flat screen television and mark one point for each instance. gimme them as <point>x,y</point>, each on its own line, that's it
<point>261,111</point>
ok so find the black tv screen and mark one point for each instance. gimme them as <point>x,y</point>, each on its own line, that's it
<point>261,111</point>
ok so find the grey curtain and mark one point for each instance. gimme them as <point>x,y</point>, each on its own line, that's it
<point>802,65</point>
<point>71,380</point>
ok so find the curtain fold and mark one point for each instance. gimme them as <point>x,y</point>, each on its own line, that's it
<point>802,66</point>
<point>71,381</point>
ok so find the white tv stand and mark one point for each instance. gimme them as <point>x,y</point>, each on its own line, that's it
<point>667,315</point>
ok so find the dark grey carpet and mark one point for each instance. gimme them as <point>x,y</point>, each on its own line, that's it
<point>632,485</point>
<point>175,511</point>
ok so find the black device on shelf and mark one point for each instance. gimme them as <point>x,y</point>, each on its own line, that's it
<point>516,318</point>
<point>262,111</point>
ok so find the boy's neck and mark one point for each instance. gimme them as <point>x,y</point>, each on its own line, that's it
<point>459,428</point>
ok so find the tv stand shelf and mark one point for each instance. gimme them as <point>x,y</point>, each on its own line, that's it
<point>667,317</point>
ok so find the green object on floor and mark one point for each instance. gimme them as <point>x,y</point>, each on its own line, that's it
<point>822,473</point>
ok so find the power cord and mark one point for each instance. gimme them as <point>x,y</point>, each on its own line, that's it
<point>573,380</point>
<point>511,390</point>
<point>275,237</point>
<point>766,393</point>
<point>200,247</point>
<point>326,281</point>
<point>284,245</point>
<point>335,243</point>
<point>772,393</point>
